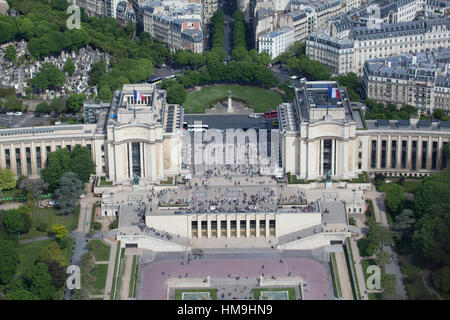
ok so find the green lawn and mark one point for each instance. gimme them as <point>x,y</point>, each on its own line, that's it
<point>261,99</point>
<point>410,186</point>
<point>29,252</point>
<point>335,276</point>
<point>168,181</point>
<point>49,216</point>
<point>257,292</point>
<point>212,292</point>
<point>99,272</point>
<point>100,250</point>
<point>133,278</point>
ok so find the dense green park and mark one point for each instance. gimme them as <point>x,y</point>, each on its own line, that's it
<point>258,98</point>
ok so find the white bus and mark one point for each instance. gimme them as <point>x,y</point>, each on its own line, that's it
<point>197,127</point>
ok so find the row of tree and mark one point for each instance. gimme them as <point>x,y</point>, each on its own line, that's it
<point>379,111</point>
<point>218,34</point>
<point>238,30</point>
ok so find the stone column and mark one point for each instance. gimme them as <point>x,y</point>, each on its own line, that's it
<point>238,226</point>
<point>439,154</point>
<point>189,226</point>
<point>409,153</point>
<point>219,227</point>
<point>228,227</point>
<point>333,152</point>
<point>247,226</point>
<point>141,158</point>
<point>2,157</point>
<point>267,227</point>
<point>378,161</point>
<point>152,169</point>
<point>257,225</point>
<point>34,169</point>
<point>321,173</point>
<point>429,152</point>
<point>388,152</point>
<point>419,153</point>
<point>199,227</point>
<point>23,159</point>
<point>130,161</point>
<point>399,153</point>
<point>12,157</point>
<point>208,226</point>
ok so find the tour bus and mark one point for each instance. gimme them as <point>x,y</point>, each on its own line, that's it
<point>156,80</point>
<point>271,114</point>
<point>197,127</point>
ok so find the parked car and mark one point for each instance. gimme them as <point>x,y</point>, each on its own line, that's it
<point>10,113</point>
<point>18,113</point>
<point>253,115</point>
<point>302,80</point>
<point>293,77</point>
<point>82,195</point>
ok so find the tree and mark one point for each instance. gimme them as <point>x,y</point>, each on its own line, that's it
<point>404,223</point>
<point>43,107</point>
<point>11,53</point>
<point>13,103</point>
<point>441,279</point>
<point>33,187</point>
<point>434,190</point>
<point>8,28</point>
<point>389,285</point>
<point>68,192</point>
<point>57,272</point>
<point>53,252</point>
<point>97,71</point>
<point>41,282</point>
<point>21,294</point>
<point>58,162</point>
<point>7,179</point>
<point>440,115</point>
<point>176,94</point>
<point>395,197</point>
<point>13,222</point>
<point>48,77</point>
<point>9,259</point>
<point>69,67</point>
<point>379,235</point>
<point>105,93</point>
<point>59,231</point>
<point>432,233</point>
<point>75,102</point>
<point>81,163</point>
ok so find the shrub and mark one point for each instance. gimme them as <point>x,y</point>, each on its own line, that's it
<point>352,221</point>
<point>114,224</point>
<point>43,227</point>
<point>97,225</point>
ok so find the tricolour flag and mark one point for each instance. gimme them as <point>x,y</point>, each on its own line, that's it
<point>138,96</point>
<point>333,93</point>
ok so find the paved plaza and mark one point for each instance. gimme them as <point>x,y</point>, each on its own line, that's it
<point>234,278</point>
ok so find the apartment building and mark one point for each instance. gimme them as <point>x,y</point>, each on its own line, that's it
<point>419,80</point>
<point>276,42</point>
<point>371,43</point>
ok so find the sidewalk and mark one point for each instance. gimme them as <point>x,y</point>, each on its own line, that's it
<point>344,278</point>
<point>111,265</point>
<point>126,276</point>
<point>358,269</point>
